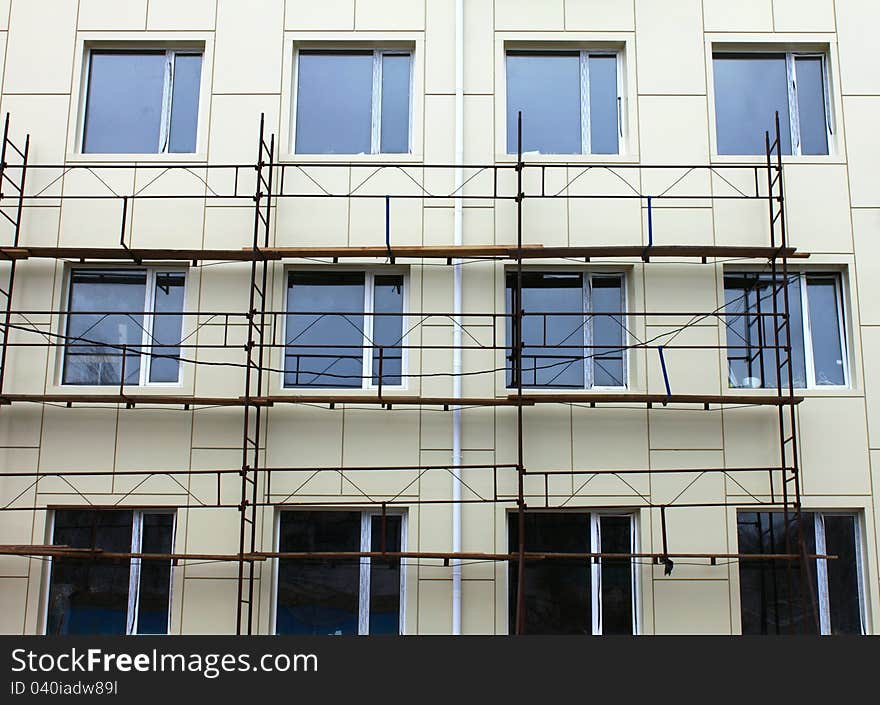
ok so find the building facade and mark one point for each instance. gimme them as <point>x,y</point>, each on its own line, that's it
<point>278,288</point>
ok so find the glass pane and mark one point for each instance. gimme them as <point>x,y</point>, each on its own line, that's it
<point>617,576</point>
<point>167,326</point>
<point>553,355</point>
<point>388,329</point>
<point>325,334</point>
<point>96,333</point>
<point>557,592</point>
<point>824,303</point>
<point>90,596</point>
<point>155,584</point>
<point>608,330</point>
<point>334,103</point>
<point>811,105</point>
<point>749,90</point>
<point>317,596</point>
<point>547,89</point>
<point>395,103</point>
<point>385,577</point>
<point>185,103</point>
<point>843,575</point>
<point>124,102</point>
<point>771,594</point>
<point>751,356</point>
<point>603,105</point>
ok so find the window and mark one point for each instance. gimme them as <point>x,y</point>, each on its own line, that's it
<point>817,330</point>
<point>750,88</point>
<point>142,102</point>
<point>124,319</point>
<point>353,102</point>
<point>771,593</point>
<point>569,101</point>
<point>344,329</point>
<point>575,596</point>
<point>340,596</point>
<point>111,596</point>
<point>572,330</point>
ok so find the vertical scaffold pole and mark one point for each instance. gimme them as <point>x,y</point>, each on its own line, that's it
<point>518,362</point>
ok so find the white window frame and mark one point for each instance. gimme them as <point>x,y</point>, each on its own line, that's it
<point>791,58</point>
<point>364,568</point>
<point>822,591</point>
<point>148,325</point>
<point>369,308</point>
<point>808,332</point>
<point>585,108</point>
<point>590,353</point>
<point>134,575</point>
<point>376,102</point>
<point>595,529</point>
<point>167,93</point>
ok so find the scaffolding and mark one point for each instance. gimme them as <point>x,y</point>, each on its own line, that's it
<point>264,184</point>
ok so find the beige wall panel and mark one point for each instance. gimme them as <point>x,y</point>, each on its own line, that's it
<point>235,127</point>
<point>203,487</point>
<point>316,221</point>
<point>28,29</point>
<point>209,606</point>
<point>44,118</point>
<point>870,336</point>
<point>742,16</point>
<point>21,429</point>
<point>16,527</point>
<point>438,226</point>
<point>681,226</point>
<point>857,47</point>
<point>751,440</point>
<point>15,603</point>
<point>95,221</point>
<point>230,227</point>
<point>39,227</point>
<point>670,48</point>
<point>598,15</point>
<point>689,371</point>
<point>153,439</point>
<point>861,115</point>
<point>817,208</point>
<point>29,366</point>
<point>612,221</point>
<point>740,221</point>
<point>479,46</point>
<point>834,446</point>
<point>224,376</point>
<point>479,131</point>
<point>217,428</point>
<point>168,223</point>
<point>387,15</point>
<point>866,227</point>
<point>527,15</point>
<point>248,49</point>
<point>435,607</point>
<point>434,362</point>
<point>673,130</point>
<point>78,439</point>
<point>609,439</point>
<point>801,16</point>
<point>691,607</point>
<point>368,216</point>
<point>440,46</point>
<point>4,14</point>
<point>477,609</point>
<point>192,14</point>
<point>363,427</point>
<point>672,429</point>
<point>112,14</point>
<point>333,14</point>
<point>478,429</point>
<point>678,288</point>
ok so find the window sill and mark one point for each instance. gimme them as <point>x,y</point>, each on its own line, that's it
<point>539,158</point>
<point>164,159</point>
<point>759,160</point>
<point>353,159</point>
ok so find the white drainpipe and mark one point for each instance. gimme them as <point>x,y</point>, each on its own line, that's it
<point>457,322</point>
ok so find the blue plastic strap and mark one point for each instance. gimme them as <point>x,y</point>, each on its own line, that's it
<point>665,374</point>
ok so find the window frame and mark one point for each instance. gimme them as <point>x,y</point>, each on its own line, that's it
<point>146,353</point>
<point>589,357</point>
<point>134,571</point>
<point>364,566</point>
<point>809,361</point>
<point>171,52</point>
<point>376,98</point>
<point>370,275</point>
<point>584,55</point>
<point>791,57</point>
<point>596,516</point>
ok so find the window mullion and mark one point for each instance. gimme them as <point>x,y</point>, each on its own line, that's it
<point>134,572</point>
<point>809,362</point>
<point>147,328</point>
<point>368,351</point>
<point>165,120</point>
<point>588,352</point>
<point>364,582</point>
<point>586,146</point>
<point>376,114</point>
<point>794,114</point>
<point>822,576</point>
<point>596,573</point>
